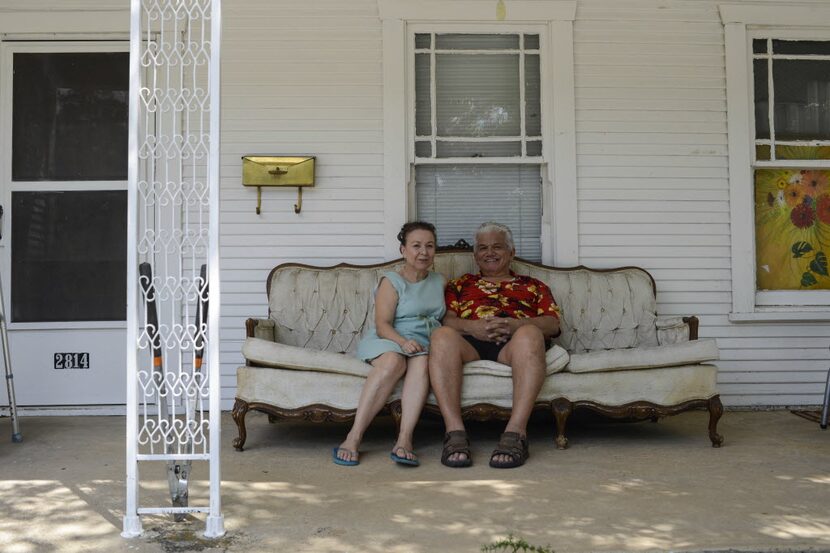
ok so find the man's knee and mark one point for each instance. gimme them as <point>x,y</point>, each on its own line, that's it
<point>529,337</point>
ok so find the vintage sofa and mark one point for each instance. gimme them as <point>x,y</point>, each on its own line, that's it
<point>614,354</point>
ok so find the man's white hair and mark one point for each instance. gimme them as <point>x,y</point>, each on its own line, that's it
<point>492,226</point>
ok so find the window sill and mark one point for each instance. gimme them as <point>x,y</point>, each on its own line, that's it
<point>781,316</point>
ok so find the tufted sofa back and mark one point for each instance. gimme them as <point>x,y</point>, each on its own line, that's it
<point>329,308</point>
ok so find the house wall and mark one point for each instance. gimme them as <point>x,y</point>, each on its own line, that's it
<point>652,166</point>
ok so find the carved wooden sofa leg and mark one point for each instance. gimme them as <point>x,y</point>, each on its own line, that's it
<point>396,411</point>
<point>715,412</point>
<point>562,409</point>
<point>240,409</point>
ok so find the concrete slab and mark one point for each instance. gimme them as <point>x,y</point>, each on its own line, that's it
<point>620,487</point>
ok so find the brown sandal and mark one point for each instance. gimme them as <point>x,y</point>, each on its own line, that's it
<point>456,442</point>
<point>514,446</point>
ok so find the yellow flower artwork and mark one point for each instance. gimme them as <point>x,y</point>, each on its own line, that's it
<point>792,229</point>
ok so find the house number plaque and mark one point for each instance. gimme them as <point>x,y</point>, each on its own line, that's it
<point>76,360</point>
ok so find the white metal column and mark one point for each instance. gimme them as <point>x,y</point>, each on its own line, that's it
<point>173,400</point>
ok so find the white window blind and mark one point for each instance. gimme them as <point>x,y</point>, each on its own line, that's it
<point>458,198</point>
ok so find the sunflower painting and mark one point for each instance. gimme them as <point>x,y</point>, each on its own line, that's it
<point>792,229</point>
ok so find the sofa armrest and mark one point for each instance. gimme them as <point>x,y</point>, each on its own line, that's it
<point>260,328</point>
<point>673,330</point>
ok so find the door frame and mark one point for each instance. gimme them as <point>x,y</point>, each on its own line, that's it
<point>7,186</point>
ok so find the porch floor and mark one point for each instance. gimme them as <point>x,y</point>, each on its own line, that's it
<point>619,487</point>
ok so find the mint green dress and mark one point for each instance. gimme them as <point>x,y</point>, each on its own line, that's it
<point>419,311</point>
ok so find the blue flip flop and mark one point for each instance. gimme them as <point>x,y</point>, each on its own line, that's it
<point>404,460</point>
<point>343,462</point>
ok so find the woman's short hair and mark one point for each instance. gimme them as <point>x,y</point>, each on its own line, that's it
<point>492,226</point>
<point>416,225</point>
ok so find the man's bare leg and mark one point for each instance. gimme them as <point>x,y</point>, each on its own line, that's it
<point>525,353</point>
<point>448,352</point>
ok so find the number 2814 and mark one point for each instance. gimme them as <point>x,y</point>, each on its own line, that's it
<point>78,360</point>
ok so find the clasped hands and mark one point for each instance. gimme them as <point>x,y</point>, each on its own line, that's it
<point>493,329</point>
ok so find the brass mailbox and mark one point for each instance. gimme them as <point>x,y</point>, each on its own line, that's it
<point>262,171</point>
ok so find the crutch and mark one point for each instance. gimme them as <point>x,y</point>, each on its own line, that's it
<point>824,411</point>
<point>17,437</point>
<point>174,469</point>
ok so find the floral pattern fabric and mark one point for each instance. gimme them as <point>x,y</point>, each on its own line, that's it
<point>473,297</point>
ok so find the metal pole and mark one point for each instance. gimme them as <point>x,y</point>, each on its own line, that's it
<point>17,437</point>
<point>132,522</point>
<point>215,526</point>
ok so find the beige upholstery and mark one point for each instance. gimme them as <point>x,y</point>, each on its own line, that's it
<point>261,352</point>
<point>670,355</point>
<point>331,308</point>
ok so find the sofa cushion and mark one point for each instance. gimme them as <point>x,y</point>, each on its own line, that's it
<point>683,353</point>
<point>273,354</point>
<point>556,359</point>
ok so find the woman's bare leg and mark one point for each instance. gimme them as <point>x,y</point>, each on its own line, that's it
<point>387,369</point>
<point>413,397</point>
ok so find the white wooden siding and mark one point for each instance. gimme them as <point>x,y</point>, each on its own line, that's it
<point>653,190</point>
<point>653,184</point>
<point>298,78</point>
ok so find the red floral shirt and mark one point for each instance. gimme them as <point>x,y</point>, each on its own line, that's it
<point>473,297</point>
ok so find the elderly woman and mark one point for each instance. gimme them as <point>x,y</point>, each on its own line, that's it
<point>409,303</point>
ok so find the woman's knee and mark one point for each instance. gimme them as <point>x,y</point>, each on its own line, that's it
<point>390,364</point>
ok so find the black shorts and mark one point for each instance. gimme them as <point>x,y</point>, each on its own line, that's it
<point>488,351</point>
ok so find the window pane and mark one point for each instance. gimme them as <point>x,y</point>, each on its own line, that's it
<point>423,110</point>
<point>457,199</point>
<point>477,95</point>
<point>759,46</point>
<point>802,99</point>
<point>761,98</point>
<point>423,148</point>
<point>479,149</point>
<point>423,40</point>
<point>70,256</point>
<point>531,42</point>
<point>476,42</point>
<point>815,47</point>
<point>533,107</point>
<point>792,229</point>
<point>762,152</point>
<point>802,152</point>
<point>70,116</point>
<point>534,148</point>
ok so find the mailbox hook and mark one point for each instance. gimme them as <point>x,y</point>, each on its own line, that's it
<point>299,205</point>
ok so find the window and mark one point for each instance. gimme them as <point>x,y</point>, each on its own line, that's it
<point>423,155</point>
<point>68,183</point>
<point>477,145</point>
<point>777,84</point>
<point>792,163</point>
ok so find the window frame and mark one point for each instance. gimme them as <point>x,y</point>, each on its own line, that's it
<point>553,21</point>
<point>742,24</point>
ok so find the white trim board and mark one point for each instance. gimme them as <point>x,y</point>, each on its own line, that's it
<point>472,10</point>
<point>76,21</point>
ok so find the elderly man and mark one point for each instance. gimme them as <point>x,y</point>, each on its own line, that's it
<point>498,316</point>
